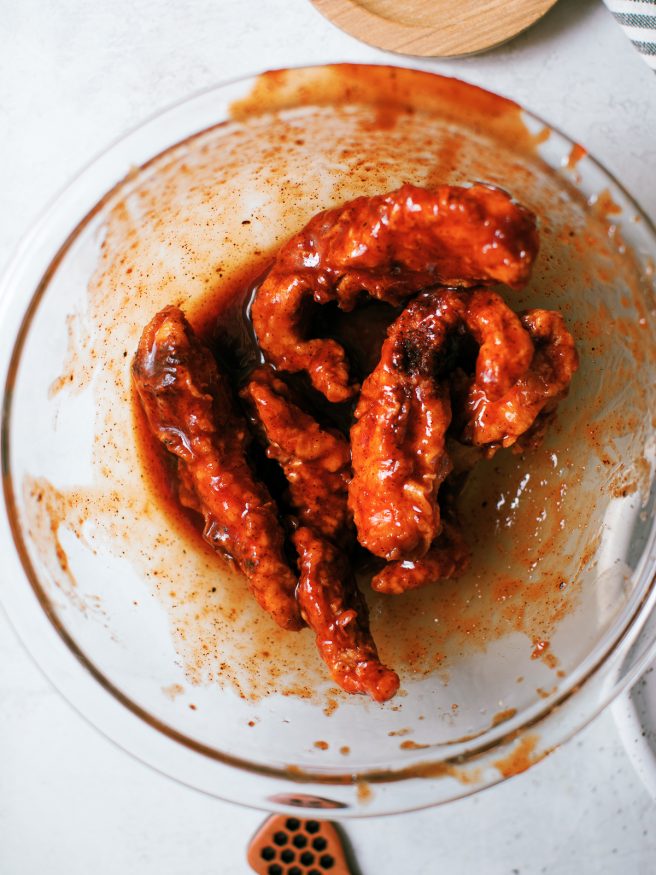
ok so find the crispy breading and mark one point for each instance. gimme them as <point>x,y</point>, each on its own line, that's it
<point>190,409</point>
<point>388,247</point>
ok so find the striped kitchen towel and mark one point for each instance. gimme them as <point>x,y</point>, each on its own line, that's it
<point>638,21</point>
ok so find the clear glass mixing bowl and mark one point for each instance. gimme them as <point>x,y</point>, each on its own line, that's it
<point>147,633</point>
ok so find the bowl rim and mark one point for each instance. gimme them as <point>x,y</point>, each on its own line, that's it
<point>494,738</point>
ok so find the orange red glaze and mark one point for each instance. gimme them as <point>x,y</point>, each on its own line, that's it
<point>316,461</point>
<point>334,609</point>
<point>398,441</point>
<point>447,557</point>
<point>499,422</point>
<point>190,410</point>
<point>506,350</point>
<point>388,247</point>
<point>316,464</point>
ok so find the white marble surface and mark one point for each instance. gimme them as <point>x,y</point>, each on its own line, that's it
<point>73,76</point>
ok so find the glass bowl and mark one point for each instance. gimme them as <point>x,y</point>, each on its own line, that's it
<point>147,632</point>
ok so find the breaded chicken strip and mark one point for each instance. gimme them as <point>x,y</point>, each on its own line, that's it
<point>190,410</point>
<point>334,609</point>
<point>316,461</point>
<point>398,440</point>
<point>447,557</point>
<point>387,247</point>
<point>492,421</point>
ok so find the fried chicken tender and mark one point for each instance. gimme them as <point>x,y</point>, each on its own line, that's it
<point>506,349</point>
<point>447,557</point>
<point>191,412</point>
<point>388,247</point>
<point>494,422</point>
<point>398,440</point>
<point>335,610</point>
<point>316,461</point>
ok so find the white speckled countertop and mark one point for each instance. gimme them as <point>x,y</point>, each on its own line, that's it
<point>75,75</point>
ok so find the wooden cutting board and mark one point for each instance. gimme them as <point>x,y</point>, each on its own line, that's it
<point>434,28</point>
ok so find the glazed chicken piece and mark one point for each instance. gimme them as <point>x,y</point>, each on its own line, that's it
<point>398,440</point>
<point>493,421</point>
<point>505,347</point>
<point>190,410</point>
<point>335,610</point>
<point>316,461</point>
<point>447,557</point>
<point>388,247</point>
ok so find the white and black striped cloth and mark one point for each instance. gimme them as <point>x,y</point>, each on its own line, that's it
<point>638,21</point>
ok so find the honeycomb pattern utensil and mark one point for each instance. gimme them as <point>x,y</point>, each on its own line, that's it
<point>289,845</point>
